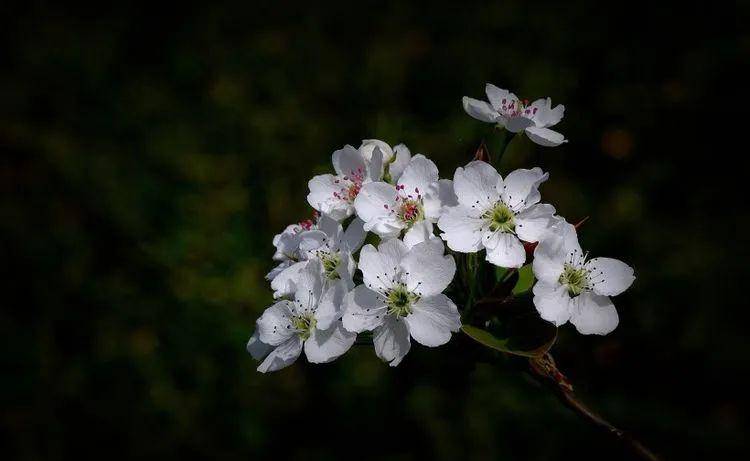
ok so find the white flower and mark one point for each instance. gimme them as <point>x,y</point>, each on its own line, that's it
<point>496,214</point>
<point>312,321</point>
<point>334,194</point>
<point>507,111</point>
<point>402,297</point>
<point>413,204</point>
<point>287,246</point>
<point>328,243</point>
<point>572,287</point>
<point>394,160</point>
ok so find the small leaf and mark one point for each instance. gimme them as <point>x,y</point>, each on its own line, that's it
<point>516,329</point>
<point>525,280</point>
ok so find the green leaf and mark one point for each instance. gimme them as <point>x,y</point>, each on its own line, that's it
<point>525,280</point>
<point>517,329</point>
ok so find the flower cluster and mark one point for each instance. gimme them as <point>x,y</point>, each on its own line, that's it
<point>330,288</point>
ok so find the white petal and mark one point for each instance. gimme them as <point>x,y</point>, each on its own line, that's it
<point>533,223</point>
<point>375,165</point>
<point>369,145</point>
<point>545,115</point>
<point>418,233</point>
<point>461,229</point>
<point>499,97</point>
<point>609,277</point>
<point>477,185</point>
<point>480,110</point>
<point>286,244</point>
<point>379,267</point>
<point>397,167</point>
<point>545,136</point>
<point>509,252</point>
<point>521,187</point>
<point>557,247</point>
<point>427,273</point>
<point>593,314</point>
<point>552,302</point>
<point>374,200</point>
<point>283,284</point>
<point>274,325</point>
<point>309,286</point>
<point>439,195</point>
<point>349,162</point>
<point>432,320</point>
<point>354,236</point>
<point>418,175</point>
<point>326,345</point>
<point>283,356</point>
<point>391,340</point>
<point>518,123</point>
<point>331,306</point>
<point>364,310</point>
<point>312,240</point>
<point>257,348</point>
<point>277,270</point>
<point>322,188</point>
<point>329,226</point>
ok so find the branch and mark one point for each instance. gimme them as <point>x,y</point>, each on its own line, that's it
<point>545,370</point>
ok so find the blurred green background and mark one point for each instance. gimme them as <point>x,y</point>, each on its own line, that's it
<point>150,153</point>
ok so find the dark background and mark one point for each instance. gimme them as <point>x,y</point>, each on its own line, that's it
<point>149,154</point>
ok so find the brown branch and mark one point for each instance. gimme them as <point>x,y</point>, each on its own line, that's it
<point>544,369</point>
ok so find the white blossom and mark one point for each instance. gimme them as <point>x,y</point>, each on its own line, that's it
<point>402,297</point>
<point>572,287</point>
<point>311,321</point>
<point>412,205</point>
<point>334,194</point>
<point>507,111</point>
<point>328,243</point>
<point>496,214</point>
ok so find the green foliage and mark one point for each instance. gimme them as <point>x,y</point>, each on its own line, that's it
<point>525,280</point>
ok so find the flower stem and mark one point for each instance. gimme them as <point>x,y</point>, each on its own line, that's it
<point>544,369</point>
<point>507,138</point>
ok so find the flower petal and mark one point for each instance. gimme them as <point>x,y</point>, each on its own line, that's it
<point>257,348</point>
<point>369,145</point>
<point>418,175</point>
<point>477,185</point>
<point>518,123</point>
<point>480,110</point>
<point>418,233</point>
<point>379,267</point>
<point>545,115</point>
<point>426,272</point>
<point>374,200</point>
<point>397,167</point>
<point>327,345</point>
<point>461,229</point>
<point>364,310</point>
<point>545,136</point>
<point>283,356</point>
<point>391,340</point>
<point>509,251</point>
<point>349,161</point>
<point>609,277</point>
<point>331,306</point>
<point>499,97</point>
<point>433,319</point>
<point>274,326</point>
<point>308,286</point>
<point>439,196</point>
<point>283,284</point>
<point>354,236</point>
<point>558,246</point>
<point>593,314</point>
<point>533,223</point>
<point>552,302</point>
<point>521,187</point>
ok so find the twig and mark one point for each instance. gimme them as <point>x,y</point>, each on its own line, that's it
<point>546,371</point>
